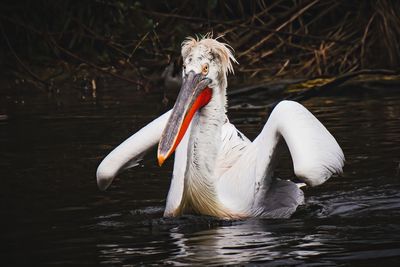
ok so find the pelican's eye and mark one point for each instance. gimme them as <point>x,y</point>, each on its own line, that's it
<point>204,69</point>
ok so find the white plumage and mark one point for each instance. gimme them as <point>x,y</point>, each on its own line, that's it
<point>217,170</point>
<point>130,152</point>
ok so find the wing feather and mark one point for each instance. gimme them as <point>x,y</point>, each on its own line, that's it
<point>315,154</point>
<point>130,152</point>
<point>233,143</point>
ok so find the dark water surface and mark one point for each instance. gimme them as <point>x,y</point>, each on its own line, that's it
<point>53,213</point>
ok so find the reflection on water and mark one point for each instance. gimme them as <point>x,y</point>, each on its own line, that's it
<point>53,213</point>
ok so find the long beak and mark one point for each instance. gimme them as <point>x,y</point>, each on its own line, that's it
<point>194,95</point>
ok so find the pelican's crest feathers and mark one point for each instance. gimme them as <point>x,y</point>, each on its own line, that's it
<point>222,50</point>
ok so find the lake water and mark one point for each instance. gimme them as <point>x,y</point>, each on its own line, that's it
<point>53,213</point>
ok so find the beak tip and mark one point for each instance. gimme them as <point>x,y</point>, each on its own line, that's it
<point>161,160</point>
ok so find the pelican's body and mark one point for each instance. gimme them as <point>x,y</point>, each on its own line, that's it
<point>217,170</point>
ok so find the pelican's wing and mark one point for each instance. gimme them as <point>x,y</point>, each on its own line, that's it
<point>314,151</point>
<point>130,152</point>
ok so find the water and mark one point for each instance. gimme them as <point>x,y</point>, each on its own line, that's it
<point>53,213</point>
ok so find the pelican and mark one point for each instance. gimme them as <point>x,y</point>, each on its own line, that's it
<point>217,170</point>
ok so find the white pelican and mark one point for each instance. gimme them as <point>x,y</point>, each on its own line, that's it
<point>217,170</point>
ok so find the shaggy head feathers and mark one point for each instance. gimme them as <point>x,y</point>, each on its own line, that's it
<point>221,51</point>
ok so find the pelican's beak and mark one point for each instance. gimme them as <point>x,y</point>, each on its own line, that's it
<point>194,94</point>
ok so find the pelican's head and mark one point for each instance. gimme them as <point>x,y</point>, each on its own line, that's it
<point>206,63</point>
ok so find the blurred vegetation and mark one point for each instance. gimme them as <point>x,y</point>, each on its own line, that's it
<point>47,40</point>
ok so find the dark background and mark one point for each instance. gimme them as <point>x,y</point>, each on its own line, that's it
<point>79,77</point>
<point>50,42</point>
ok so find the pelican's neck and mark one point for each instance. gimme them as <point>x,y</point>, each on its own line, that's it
<point>205,137</point>
<point>199,194</point>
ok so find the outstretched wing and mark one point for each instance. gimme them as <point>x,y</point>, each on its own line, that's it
<point>314,151</point>
<point>131,151</point>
